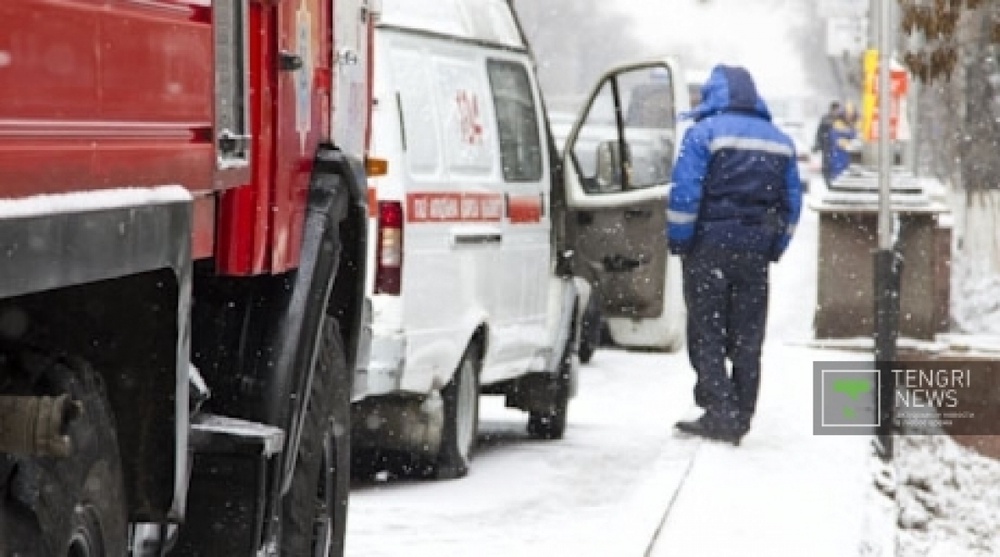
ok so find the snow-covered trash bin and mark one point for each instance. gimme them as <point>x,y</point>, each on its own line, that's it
<point>848,234</point>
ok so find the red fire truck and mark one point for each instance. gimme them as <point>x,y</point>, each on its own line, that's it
<point>182,228</point>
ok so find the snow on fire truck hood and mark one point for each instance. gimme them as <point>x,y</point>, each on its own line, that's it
<point>483,20</point>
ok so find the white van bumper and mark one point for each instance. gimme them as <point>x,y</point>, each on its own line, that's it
<point>385,366</point>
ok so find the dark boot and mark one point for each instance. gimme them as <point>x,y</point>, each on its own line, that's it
<point>710,429</point>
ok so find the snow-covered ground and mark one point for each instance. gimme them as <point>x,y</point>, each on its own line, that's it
<point>948,498</point>
<point>606,488</point>
<point>600,491</point>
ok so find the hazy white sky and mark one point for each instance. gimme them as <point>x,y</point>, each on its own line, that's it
<point>752,33</point>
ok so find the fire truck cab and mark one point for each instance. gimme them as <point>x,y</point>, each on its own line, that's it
<point>182,230</point>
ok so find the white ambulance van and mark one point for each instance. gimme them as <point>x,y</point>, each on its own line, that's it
<point>473,290</point>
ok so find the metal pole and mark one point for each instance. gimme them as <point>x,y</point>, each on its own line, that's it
<point>886,262</point>
<point>884,154</point>
<point>912,147</point>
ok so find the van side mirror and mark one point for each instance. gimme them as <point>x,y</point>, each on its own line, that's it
<point>609,167</point>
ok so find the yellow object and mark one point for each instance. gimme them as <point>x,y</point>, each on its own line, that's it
<point>898,86</point>
<point>868,96</point>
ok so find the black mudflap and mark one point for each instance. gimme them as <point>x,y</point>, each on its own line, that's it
<point>232,474</point>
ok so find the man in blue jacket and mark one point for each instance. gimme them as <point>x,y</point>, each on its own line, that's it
<point>732,211</point>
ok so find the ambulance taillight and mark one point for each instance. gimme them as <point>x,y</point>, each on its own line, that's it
<point>389,264</point>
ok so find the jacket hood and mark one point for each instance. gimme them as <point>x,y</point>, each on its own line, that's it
<point>729,88</point>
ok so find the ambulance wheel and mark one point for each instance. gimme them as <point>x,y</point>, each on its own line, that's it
<point>315,509</point>
<point>75,505</point>
<point>461,418</point>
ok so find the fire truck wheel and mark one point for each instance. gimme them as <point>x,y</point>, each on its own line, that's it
<point>461,418</point>
<point>315,509</point>
<point>72,506</point>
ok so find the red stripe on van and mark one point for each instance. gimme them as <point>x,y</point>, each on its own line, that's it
<point>523,209</point>
<point>454,207</point>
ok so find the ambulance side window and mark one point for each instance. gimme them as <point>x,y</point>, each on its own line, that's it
<point>517,121</point>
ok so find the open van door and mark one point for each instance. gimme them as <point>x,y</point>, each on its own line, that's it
<point>617,166</point>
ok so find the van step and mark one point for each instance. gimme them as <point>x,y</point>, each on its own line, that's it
<point>211,433</point>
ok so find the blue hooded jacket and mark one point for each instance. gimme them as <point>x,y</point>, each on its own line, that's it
<point>736,182</point>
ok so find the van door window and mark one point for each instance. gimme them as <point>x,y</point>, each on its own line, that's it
<point>469,136</point>
<point>627,139</point>
<point>597,144</point>
<point>648,98</point>
<point>517,122</point>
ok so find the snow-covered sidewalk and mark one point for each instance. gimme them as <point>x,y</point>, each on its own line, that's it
<point>600,492</point>
<point>947,497</point>
<point>783,491</point>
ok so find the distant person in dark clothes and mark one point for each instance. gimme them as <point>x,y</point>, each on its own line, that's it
<point>840,136</point>
<point>732,211</point>
<point>822,137</point>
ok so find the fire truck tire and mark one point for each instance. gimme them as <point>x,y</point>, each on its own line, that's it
<point>461,418</point>
<point>72,506</point>
<point>315,508</point>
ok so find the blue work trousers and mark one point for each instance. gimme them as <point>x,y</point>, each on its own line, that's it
<point>726,295</point>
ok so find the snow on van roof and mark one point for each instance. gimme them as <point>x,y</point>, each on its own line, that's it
<point>482,20</point>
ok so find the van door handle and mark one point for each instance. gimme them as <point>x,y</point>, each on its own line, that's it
<point>477,237</point>
<point>638,213</point>
<point>621,264</point>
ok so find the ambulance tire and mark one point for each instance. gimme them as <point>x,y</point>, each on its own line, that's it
<point>315,508</point>
<point>74,505</point>
<point>461,418</point>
